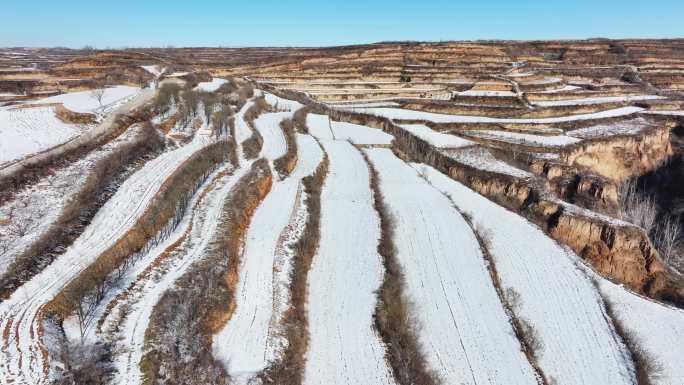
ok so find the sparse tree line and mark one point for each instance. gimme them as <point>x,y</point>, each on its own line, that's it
<point>102,181</point>
<point>83,294</point>
<point>289,370</point>
<point>179,338</point>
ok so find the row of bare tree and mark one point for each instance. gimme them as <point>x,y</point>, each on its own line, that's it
<point>102,181</point>
<point>182,324</point>
<point>83,294</point>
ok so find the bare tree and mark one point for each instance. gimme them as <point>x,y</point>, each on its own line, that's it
<point>636,207</point>
<point>668,240</point>
<point>98,94</point>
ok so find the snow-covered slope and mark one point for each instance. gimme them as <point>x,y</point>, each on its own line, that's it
<point>26,131</point>
<point>464,328</point>
<point>435,138</point>
<point>346,271</point>
<point>578,343</point>
<point>268,125</point>
<point>320,126</point>
<point>659,329</point>
<point>84,102</point>
<point>358,134</point>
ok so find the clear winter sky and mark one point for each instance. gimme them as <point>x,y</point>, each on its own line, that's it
<point>121,23</point>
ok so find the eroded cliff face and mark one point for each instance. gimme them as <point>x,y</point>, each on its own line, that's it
<point>622,157</point>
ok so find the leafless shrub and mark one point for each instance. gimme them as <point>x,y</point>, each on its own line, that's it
<point>667,238</point>
<point>85,365</point>
<point>252,146</point>
<point>636,207</point>
<point>531,337</point>
<point>260,106</point>
<point>665,233</point>
<point>299,120</point>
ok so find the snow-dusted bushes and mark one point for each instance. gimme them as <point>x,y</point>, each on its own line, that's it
<point>179,338</point>
<point>84,365</point>
<point>665,231</point>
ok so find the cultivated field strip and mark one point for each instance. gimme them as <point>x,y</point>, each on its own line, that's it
<point>575,340</point>
<point>268,126</point>
<point>657,328</point>
<point>22,357</point>
<point>251,339</point>
<point>26,131</point>
<point>242,130</point>
<point>128,321</point>
<point>466,336</point>
<point>402,114</point>
<point>344,347</point>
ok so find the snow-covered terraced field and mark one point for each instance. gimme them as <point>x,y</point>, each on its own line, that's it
<point>658,328</point>
<point>344,347</point>
<point>211,86</point>
<point>401,114</point>
<point>524,139</point>
<point>251,340</point>
<point>577,341</point>
<point>26,131</point>
<point>21,355</point>
<point>268,126</point>
<point>85,102</point>
<point>463,326</point>
<point>437,139</point>
<point>324,128</point>
<point>597,100</point>
<point>481,158</point>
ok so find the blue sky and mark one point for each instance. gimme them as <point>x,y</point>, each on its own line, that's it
<point>122,23</point>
